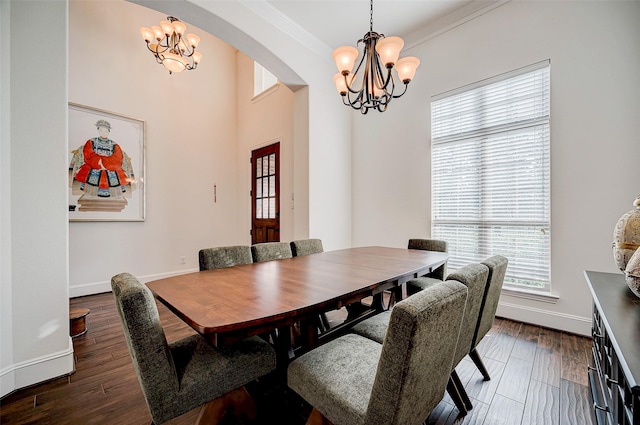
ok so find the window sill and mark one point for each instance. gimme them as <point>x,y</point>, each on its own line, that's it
<point>257,98</point>
<point>528,294</point>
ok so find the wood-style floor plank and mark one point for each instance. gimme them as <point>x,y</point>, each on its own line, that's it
<point>538,377</point>
<point>504,411</point>
<point>527,343</point>
<point>547,366</point>
<point>575,404</point>
<point>542,405</point>
<point>515,379</point>
<point>482,390</point>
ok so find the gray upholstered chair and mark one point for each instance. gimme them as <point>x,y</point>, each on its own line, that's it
<point>180,376</point>
<point>354,380</point>
<point>436,276</point>
<point>474,277</point>
<point>224,256</point>
<point>497,270</point>
<point>269,251</point>
<point>306,247</point>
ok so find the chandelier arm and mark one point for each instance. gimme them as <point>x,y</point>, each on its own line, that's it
<point>157,51</point>
<point>356,103</point>
<point>403,92</point>
<point>384,81</point>
<point>189,50</point>
<point>353,77</point>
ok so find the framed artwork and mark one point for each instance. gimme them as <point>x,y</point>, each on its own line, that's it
<point>106,166</point>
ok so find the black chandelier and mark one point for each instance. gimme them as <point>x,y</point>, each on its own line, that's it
<point>172,48</point>
<point>375,86</point>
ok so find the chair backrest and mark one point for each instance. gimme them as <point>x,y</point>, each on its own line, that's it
<point>270,251</point>
<point>474,277</point>
<point>147,343</point>
<point>432,245</point>
<point>417,354</point>
<point>306,247</point>
<point>497,270</point>
<point>224,256</point>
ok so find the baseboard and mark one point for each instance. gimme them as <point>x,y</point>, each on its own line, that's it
<point>37,370</point>
<point>546,318</point>
<point>105,286</point>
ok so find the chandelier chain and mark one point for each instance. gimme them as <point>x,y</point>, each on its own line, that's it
<point>371,16</point>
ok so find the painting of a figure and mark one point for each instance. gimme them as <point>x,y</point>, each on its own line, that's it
<point>104,179</point>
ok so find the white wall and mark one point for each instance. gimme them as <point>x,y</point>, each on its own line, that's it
<point>594,48</point>
<point>191,144</point>
<point>35,322</point>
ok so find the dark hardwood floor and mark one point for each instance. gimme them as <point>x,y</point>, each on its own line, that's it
<point>539,376</point>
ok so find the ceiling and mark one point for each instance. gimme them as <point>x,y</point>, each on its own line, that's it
<point>343,22</point>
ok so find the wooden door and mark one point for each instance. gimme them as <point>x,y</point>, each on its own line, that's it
<point>265,194</point>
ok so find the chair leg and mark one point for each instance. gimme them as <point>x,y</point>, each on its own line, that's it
<point>455,396</point>
<point>479,364</point>
<point>463,393</point>
<point>317,418</point>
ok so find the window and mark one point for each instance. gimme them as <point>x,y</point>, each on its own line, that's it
<point>490,174</point>
<point>262,79</point>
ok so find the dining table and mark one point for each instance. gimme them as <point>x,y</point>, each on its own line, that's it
<point>228,304</point>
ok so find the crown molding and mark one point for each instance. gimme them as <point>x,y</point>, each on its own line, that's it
<point>452,20</point>
<point>288,26</point>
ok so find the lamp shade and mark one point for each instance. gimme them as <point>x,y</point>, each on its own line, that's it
<point>157,32</point>
<point>345,57</point>
<point>197,57</point>
<point>174,63</point>
<point>193,40</point>
<point>406,68</point>
<point>389,49</point>
<point>147,34</point>
<point>179,27</point>
<point>341,85</point>
<point>167,28</point>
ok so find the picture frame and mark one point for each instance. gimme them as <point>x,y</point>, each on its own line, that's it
<point>106,165</point>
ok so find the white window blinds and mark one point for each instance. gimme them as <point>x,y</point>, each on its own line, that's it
<point>490,173</point>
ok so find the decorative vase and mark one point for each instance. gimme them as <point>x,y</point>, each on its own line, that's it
<point>632,273</point>
<point>626,236</point>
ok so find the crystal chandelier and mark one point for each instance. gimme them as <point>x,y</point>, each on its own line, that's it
<point>172,48</point>
<point>372,85</point>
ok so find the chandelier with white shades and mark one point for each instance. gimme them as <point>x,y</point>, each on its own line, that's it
<point>171,47</point>
<point>372,85</point>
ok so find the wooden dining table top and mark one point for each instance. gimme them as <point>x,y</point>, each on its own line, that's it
<point>246,300</point>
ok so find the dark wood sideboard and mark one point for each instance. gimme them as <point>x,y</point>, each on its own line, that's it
<point>614,379</point>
